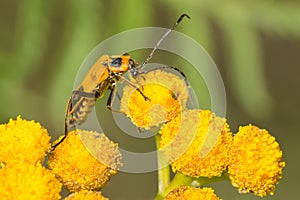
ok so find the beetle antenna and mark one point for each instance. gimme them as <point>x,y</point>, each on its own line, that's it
<point>162,38</point>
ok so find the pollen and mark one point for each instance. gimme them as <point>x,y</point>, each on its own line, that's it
<point>168,94</point>
<point>190,193</point>
<point>87,195</point>
<point>256,161</point>
<point>23,141</point>
<point>197,143</point>
<point>85,160</point>
<point>26,181</point>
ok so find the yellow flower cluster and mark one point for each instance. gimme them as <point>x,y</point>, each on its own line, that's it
<point>81,167</point>
<point>86,195</point>
<point>20,138</point>
<point>23,145</point>
<point>190,193</point>
<point>256,161</point>
<point>26,181</point>
<point>167,96</point>
<point>183,139</point>
<point>84,161</point>
<point>197,143</point>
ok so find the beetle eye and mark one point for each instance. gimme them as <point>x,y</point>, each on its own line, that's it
<point>116,62</point>
<point>135,73</point>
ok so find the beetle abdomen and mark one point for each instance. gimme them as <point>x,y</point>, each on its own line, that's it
<point>78,109</point>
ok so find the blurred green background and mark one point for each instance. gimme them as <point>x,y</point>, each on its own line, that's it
<point>255,44</point>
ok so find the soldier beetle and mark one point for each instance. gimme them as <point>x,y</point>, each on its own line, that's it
<point>103,75</point>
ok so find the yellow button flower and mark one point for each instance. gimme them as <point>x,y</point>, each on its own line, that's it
<point>190,193</point>
<point>168,95</point>
<point>27,181</point>
<point>85,166</point>
<point>197,143</point>
<point>256,161</point>
<point>23,141</point>
<point>86,195</point>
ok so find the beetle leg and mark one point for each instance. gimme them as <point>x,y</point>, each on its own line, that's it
<point>68,111</point>
<point>116,92</point>
<point>134,86</point>
<point>111,97</point>
<point>58,143</point>
<point>181,73</point>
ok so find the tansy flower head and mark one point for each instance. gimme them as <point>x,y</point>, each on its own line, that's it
<point>23,141</point>
<point>86,195</point>
<point>26,181</point>
<point>190,193</point>
<point>256,161</point>
<point>168,95</point>
<point>85,160</point>
<point>197,143</point>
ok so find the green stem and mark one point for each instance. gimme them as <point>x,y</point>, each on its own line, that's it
<point>163,168</point>
<point>205,181</point>
<point>181,179</point>
<point>178,180</point>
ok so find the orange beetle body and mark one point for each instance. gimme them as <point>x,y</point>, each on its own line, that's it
<point>103,75</point>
